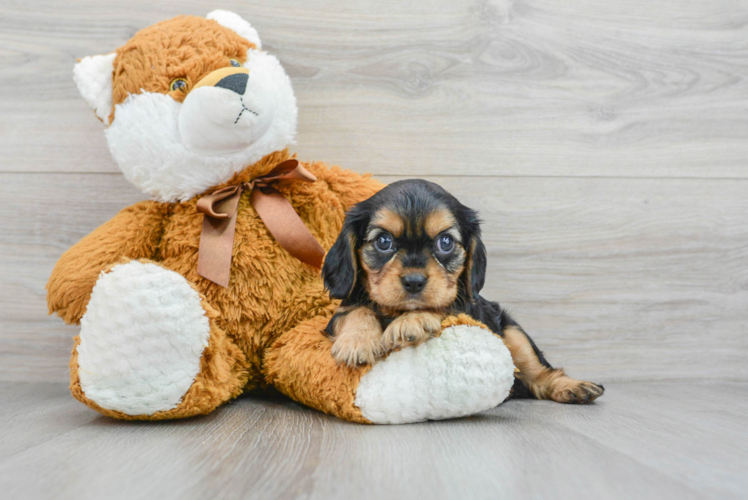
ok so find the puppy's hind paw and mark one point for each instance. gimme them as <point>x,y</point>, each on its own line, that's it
<point>571,391</point>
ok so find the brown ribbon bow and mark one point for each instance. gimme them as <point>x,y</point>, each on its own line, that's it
<point>219,223</point>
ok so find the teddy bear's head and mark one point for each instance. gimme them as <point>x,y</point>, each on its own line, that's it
<point>189,102</point>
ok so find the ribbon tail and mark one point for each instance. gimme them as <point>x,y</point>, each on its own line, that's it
<point>217,243</point>
<point>287,227</point>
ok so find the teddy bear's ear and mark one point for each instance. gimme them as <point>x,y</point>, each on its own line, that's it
<point>93,76</point>
<point>236,23</point>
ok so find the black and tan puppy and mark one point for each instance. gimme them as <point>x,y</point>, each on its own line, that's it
<point>406,258</point>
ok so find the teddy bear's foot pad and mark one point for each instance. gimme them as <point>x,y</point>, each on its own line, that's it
<point>464,371</point>
<point>141,339</point>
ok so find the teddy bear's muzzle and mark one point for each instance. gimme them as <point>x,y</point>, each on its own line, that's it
<point>223,113</point>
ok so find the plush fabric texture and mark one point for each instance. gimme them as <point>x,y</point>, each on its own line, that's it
<point>134,233</point>
<point>159,341</point>
<point>187,47</point>
<point>155,356</point>
<point>222,377</point>
<point>174,145</point>
<point>300,365</point>
<point>235,23</point>
<point>466,370</point>
<point>93,76</point>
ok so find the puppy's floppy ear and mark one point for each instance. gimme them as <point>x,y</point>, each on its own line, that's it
<point>474,275</point>
<point>475,271</point>
<point>341,263</point>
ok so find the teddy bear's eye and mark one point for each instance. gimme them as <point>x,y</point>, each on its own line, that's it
<point>235,63</point>
<point>178,84</point>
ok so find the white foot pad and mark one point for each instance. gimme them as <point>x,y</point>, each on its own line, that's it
<point>141,339</point>
<point>464,371</point>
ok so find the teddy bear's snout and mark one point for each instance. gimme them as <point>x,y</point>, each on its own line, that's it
<point>218,122</point>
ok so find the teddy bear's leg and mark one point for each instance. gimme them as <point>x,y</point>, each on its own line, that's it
<point>467,369</point>
<point>150,348</point>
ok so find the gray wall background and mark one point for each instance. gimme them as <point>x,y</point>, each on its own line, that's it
<point>604,143</point>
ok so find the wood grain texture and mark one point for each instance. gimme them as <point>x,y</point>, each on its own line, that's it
<point>499,87</point>
<point>654,440</point>
<point>616,279</point>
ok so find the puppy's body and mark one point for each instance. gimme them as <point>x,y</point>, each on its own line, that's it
<point>406,258</point>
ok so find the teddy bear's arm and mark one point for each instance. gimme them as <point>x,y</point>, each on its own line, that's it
<point>350,187</point>
<point>476,367</point>
<point>134,233</point>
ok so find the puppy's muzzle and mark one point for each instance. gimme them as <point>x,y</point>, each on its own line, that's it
<point>414,282</point>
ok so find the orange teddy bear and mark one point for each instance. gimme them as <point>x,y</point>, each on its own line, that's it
<point>212,288</point>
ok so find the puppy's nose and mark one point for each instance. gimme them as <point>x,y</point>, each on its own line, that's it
<point>414,283</point>
<point>236,83</point>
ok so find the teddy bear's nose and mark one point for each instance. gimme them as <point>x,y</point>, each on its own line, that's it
<point>235,83</point>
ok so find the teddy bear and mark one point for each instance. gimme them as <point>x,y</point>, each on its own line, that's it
<point>212,288</point>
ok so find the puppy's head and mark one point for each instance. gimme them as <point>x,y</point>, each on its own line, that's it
<point>410,246</point>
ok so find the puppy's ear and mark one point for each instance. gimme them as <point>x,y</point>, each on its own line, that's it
<point>474,275</point>
<point>341,264</point>
<point>475,272</point>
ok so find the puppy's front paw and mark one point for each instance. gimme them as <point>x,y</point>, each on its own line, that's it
<point>412,328</point>
<point>352,350</point>
<point>358,338</point>
<point>569,390</point>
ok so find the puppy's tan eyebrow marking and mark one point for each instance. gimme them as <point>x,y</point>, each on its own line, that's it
<point>388,220</point>
<point>455,234</point>
<point>439,221</point>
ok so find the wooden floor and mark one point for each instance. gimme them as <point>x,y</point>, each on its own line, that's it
<point>657,440</point>
<point>605,144</point>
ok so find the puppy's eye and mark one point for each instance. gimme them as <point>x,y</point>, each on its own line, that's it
<point>384,243</point>
<point>445,243</point>
<point>178,84</point>
<point>235,63</point>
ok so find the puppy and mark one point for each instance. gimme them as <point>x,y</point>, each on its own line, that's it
<point>406,258</point>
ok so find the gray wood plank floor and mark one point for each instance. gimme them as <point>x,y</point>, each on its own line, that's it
<point>660,440</point>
